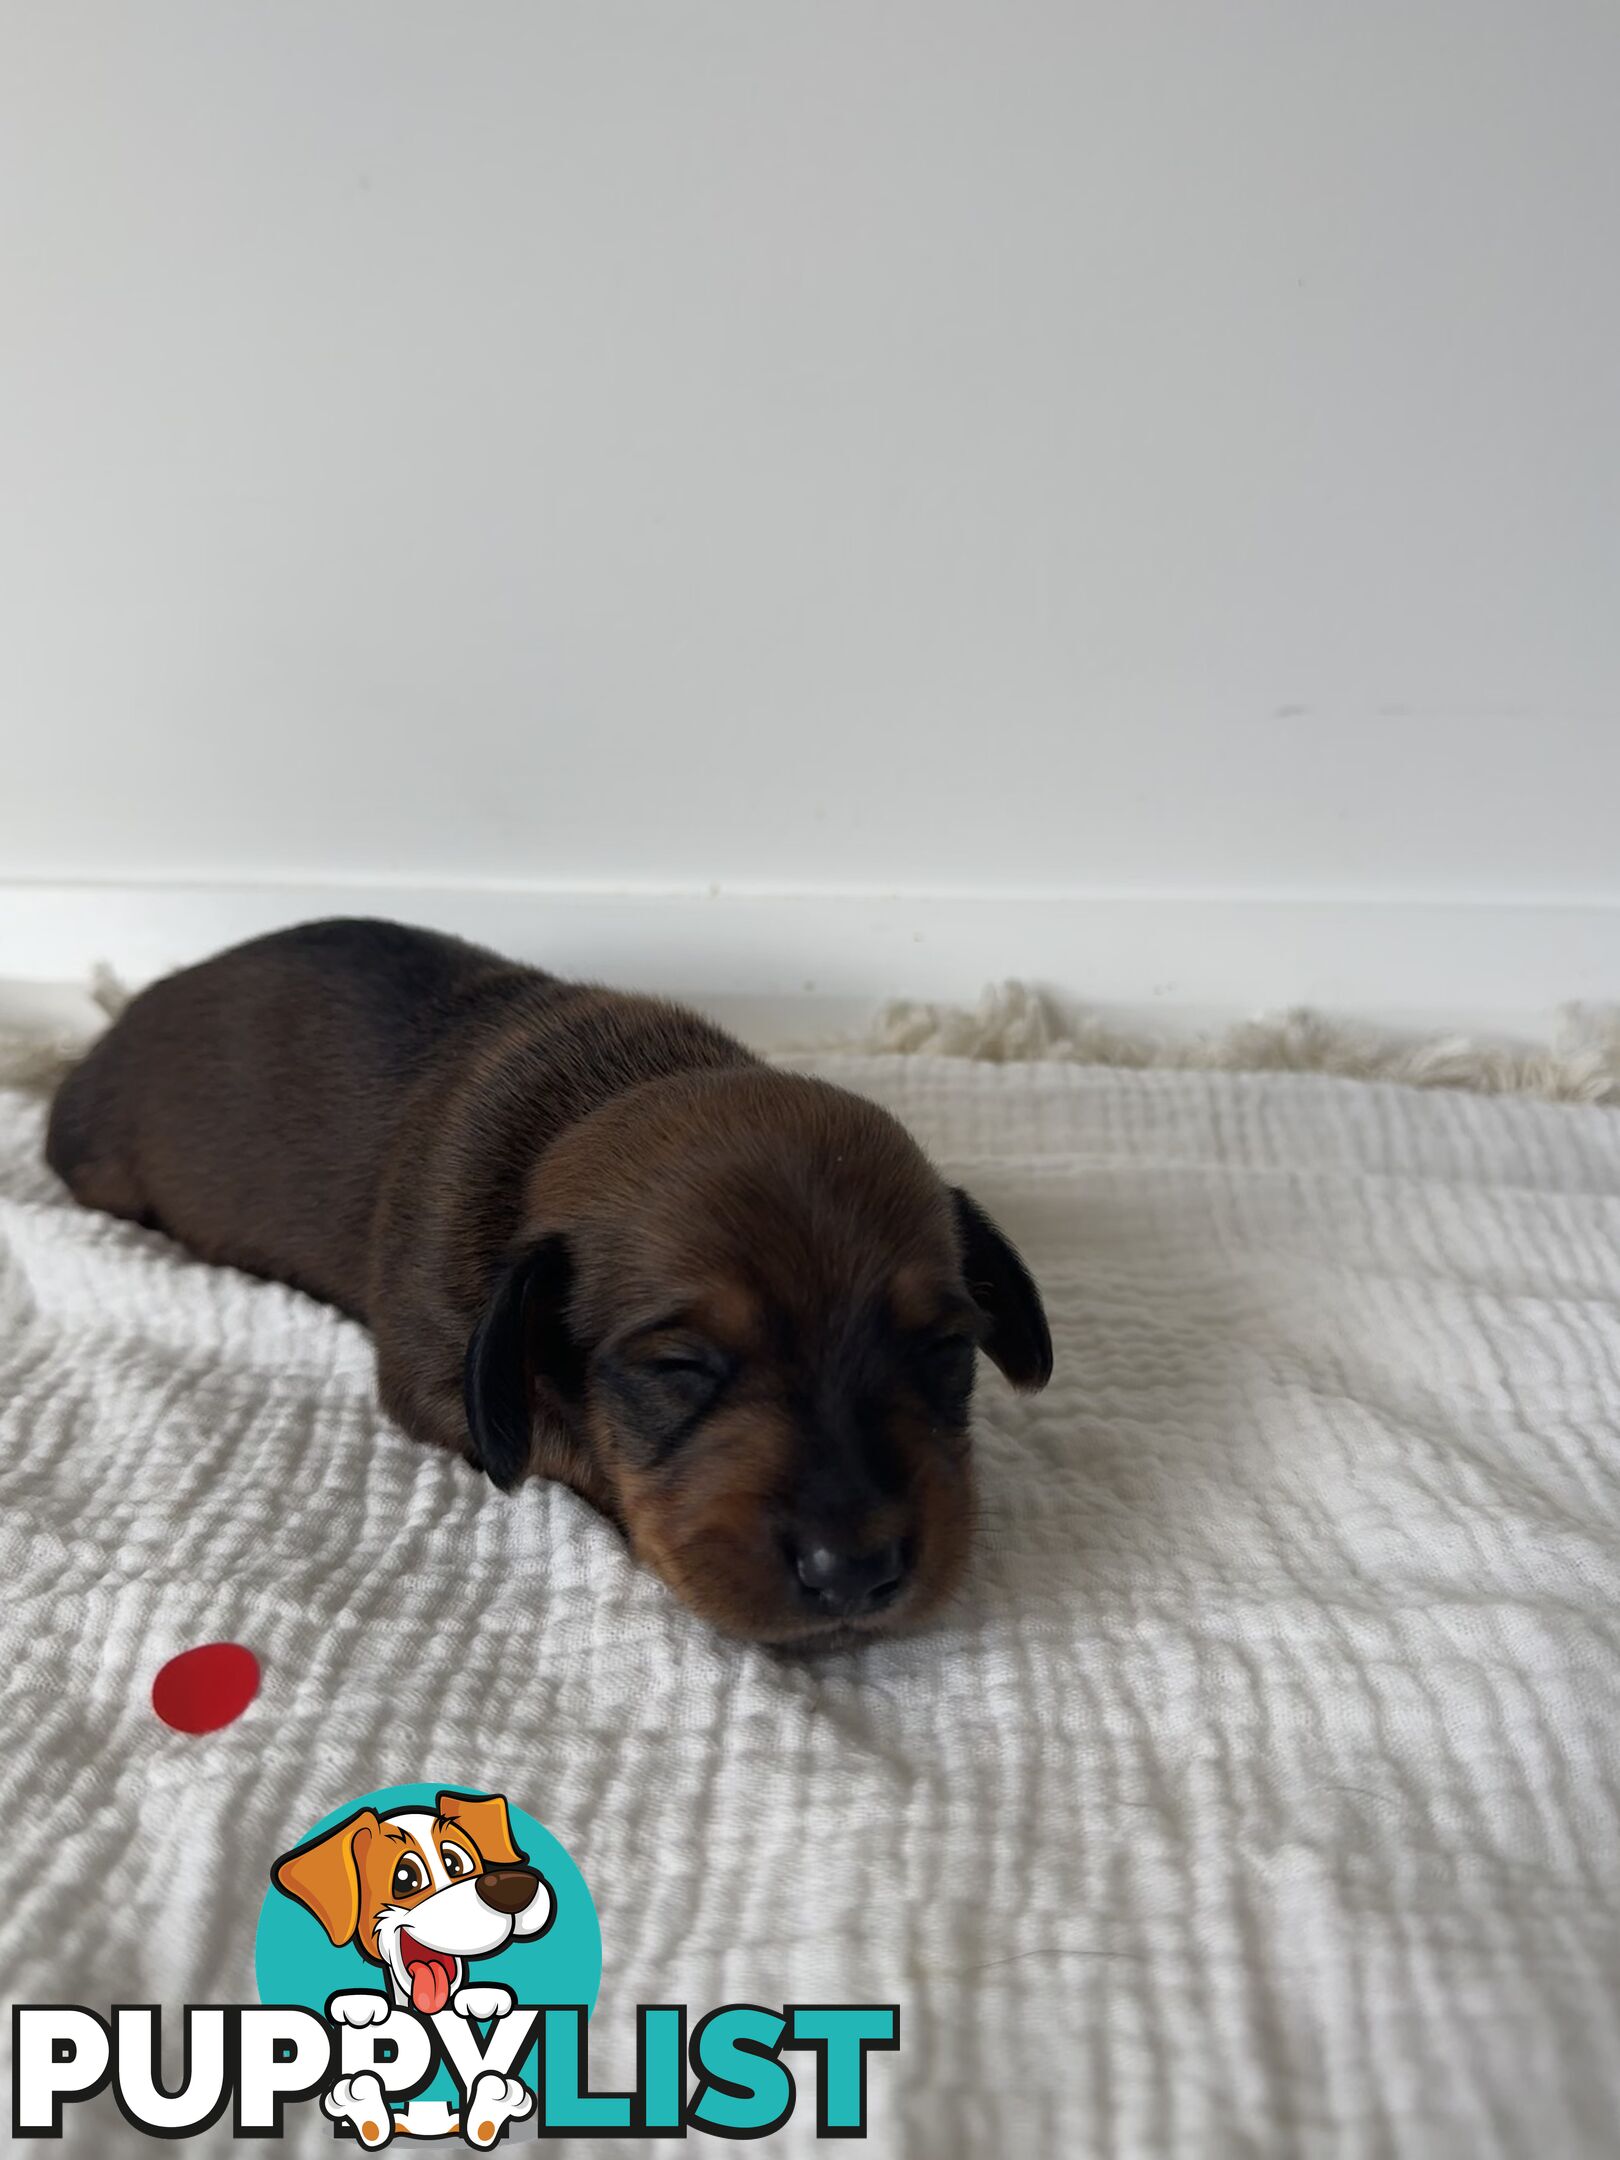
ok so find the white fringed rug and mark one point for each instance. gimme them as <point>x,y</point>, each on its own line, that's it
<point>1260,1795</point>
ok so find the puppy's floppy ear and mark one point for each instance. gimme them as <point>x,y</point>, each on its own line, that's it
<point>324,1875</point>
<point>1004,1291</point>
<point>521,1348</point>
<point>486,1822</point>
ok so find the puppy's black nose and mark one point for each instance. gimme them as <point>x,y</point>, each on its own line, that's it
<point>849,1582</point>
<point>508,1889</point>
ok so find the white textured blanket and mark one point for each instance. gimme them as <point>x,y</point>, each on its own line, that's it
<point>1261,1794</point>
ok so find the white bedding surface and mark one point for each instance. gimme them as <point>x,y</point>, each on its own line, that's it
<point>1259,1794</point>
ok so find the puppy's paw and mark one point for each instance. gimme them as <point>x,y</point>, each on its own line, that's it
<point>490,2001</point>
<point>494,2102</point>
<point>361,2103</point>
<point>359,2009</point>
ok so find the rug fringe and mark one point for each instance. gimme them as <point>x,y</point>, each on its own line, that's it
<point>38,1057</point>
<point>1014,1022</point>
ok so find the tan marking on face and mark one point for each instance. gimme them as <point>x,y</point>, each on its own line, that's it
<point>708,1525</point>
<point>728,1314</point>
<point>917,1296</point>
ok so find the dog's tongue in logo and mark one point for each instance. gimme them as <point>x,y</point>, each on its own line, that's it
<point>431,1975</point>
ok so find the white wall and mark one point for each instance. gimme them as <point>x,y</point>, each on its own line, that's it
<point>1070,446</point>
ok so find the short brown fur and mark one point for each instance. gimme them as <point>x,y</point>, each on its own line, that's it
<point>595,1239</point>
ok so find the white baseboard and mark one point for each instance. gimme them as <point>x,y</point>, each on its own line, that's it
<point>1505,966</point>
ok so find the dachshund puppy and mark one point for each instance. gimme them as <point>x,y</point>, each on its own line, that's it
<point>595,1239</point>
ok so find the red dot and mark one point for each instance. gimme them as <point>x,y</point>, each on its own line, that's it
<point>203,1689</point>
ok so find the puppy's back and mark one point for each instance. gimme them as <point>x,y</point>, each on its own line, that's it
<point>246,1105</point>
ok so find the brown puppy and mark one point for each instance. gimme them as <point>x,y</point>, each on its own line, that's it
<point>595,1238</point>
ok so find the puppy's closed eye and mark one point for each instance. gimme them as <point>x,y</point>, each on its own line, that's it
<point>671,1363</point>
<point>668,1383</point>
<point>945,1362</point>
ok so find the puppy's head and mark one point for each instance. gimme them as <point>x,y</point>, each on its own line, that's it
<point>419,1891</point>
<point>746,1319</point>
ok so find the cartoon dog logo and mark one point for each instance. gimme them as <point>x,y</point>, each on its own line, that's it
<point>420,1893</point>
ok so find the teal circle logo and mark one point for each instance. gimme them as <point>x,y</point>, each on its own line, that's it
<point>336,1916</point>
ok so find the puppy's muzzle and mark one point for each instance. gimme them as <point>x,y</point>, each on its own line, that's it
<point>508,1889</point>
